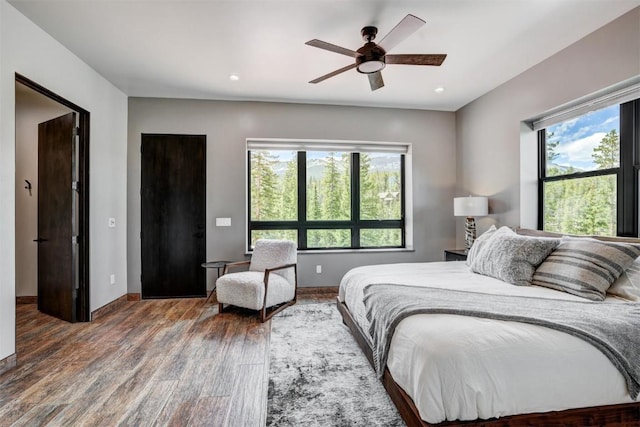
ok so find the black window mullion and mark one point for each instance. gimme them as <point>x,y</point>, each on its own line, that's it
<point>542,173</point>
<point>302,199</point>
<point>355,200</point>
<point>627,179</point>
<point>250,223</point>
<point>402,203</point>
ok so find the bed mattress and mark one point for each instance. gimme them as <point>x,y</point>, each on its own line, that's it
<point>465,368</point>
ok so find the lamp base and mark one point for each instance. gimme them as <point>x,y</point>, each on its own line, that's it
<point>469,233</point>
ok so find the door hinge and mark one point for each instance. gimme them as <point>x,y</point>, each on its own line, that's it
<point>74,240</point>
<point>75,185</point>
<point>76,131</point>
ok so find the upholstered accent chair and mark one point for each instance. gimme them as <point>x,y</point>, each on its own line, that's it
<point>271,282</point>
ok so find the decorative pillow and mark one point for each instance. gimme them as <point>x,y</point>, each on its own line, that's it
<point>627,286</point>
<point>585,267</point>
<point>480,243</point>
<point>512,258</point>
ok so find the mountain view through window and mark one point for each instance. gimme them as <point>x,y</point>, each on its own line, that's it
<point>330,204</point>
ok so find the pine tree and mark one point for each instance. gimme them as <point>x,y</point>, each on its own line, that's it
<point>264,182</point>
<point>551,145</point>
<point>289,208</point>
<point>607,154</point>
<point>331,190</point>
<point>369,200</point>
<point>314,208</point>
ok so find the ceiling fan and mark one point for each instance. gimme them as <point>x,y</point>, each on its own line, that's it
<point>371,58</point>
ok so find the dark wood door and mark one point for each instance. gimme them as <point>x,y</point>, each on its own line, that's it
<point>173,203</point>
<point>56,284</point>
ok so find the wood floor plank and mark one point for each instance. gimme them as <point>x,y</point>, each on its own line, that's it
<point>145,410</point>
<point>247,400</point>
<point>151,362</point>
<point>210,411</point>
<point>39,415</point>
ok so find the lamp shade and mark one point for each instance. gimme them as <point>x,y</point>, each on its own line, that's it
<point>470,206</point>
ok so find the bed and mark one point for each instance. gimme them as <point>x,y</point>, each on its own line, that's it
<point>449,369</point>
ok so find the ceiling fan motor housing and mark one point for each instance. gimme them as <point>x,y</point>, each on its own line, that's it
<point>372,53</point>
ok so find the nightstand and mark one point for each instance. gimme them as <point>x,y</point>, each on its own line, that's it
<point>455,255</point>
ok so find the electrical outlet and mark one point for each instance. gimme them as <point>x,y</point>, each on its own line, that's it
<point>112,279</point>
<point>318,269</point>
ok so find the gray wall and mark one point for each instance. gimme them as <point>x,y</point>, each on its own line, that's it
<point>228,124</point>
<point>497,153</point>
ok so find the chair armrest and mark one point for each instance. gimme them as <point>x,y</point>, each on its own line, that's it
<point>281,267</point>
<point>234,265</point>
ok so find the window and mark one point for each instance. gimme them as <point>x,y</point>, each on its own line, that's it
<point>588,180</point>
<point>327,195</point>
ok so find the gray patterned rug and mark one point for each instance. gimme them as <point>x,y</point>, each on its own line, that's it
<point>318,376</point>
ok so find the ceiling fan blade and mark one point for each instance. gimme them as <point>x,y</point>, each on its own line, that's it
<point>404,29</point>
<point>435,60</point>
<point>375,80</point>
<point>333,73</point>
<point>332,48</point>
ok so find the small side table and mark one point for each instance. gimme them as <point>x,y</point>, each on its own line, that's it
<point>217,265</point>
<point>455,255</point>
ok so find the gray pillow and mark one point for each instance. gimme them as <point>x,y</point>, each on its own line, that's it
<point>512,258</point>
<point>480,243</point>
<point>585,267</point>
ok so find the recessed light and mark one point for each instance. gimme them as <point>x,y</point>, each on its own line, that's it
<point>234,77</point>
<point>439,89</point>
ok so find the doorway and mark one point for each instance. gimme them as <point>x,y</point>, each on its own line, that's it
<point>173,205</point>
<point>52,201</point>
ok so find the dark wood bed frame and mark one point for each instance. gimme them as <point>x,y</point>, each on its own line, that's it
<point>625,415</point>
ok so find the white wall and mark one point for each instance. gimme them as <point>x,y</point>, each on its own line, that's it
<point>28,50</point>
<point>492,142</point>
<point>228,124</point>
<point>31,109</point>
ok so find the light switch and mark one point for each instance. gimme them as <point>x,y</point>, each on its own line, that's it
<point>223,222</point>
<point>112,222</point>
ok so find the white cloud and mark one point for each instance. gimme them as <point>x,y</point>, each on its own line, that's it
<point>580,150</point>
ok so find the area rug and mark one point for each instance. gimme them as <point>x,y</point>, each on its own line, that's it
<point>318,376</point>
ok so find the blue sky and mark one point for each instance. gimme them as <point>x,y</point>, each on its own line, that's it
<point>578,137</point>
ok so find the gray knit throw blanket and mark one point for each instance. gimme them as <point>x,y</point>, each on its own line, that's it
<point>614,329</point>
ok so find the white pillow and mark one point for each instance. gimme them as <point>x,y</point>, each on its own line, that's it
<point>627,286</point>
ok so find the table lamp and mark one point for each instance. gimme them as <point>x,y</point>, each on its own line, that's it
<point>470,207</point>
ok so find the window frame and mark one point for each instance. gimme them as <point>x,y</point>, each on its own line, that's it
<point>627,172</point>
<point>355,224</point>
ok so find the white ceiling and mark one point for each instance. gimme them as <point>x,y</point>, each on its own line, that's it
<point>188,49</point>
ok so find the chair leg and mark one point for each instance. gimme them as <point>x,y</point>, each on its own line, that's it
<point>265,315</point>
<point>220,307</point>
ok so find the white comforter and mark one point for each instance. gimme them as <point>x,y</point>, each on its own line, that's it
<point>464,368</point>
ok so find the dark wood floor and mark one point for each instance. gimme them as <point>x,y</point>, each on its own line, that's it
<point>155,362</point>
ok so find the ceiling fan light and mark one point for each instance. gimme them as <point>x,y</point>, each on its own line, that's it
<point>370,67</point>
